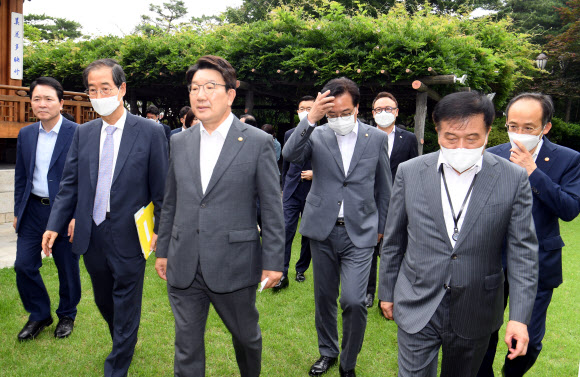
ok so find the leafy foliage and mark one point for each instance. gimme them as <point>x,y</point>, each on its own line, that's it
<point>51,28</point>
<point>164,22</point>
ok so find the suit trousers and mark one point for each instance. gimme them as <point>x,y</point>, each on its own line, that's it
<point>29,260</point>
<point>372,285</point>
<point>418,353</point>
<point>338,262</point>
<point>293,207</point>
<point>536,331</point>
<point>238,312</point>
<point>118,289</point>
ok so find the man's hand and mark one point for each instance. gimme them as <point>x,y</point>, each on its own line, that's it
<point>71,230</point>
<point>153,246</point>
<point>306,175</point>
<point>387,309</point>
<point>274,278</point>
<point>14,222</point>
<point>161,268</point>
<point>380,237</point>
<point>519,332</point>
<point>322,105</point>
<point>48,239</point>
<point>523,158</point>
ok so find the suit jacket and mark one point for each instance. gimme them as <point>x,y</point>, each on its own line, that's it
<point>404,148</point>
<point>365,188</point>
<point>417,258</point>
<point>556,192</point>
<point>291,176</point>
<point>218,229</point>
<point>175,131</point>
<point>138,179</point>
<point>26,162</point>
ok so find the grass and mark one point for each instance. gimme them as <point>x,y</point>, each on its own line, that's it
<point>286,319</point>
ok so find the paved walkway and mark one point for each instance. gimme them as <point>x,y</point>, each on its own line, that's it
<point>7,245</point>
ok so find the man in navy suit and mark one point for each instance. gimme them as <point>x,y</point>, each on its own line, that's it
<point>296,182</point>
<point>116,165</point>
<point>554,174</point>
<point>41,155</point>
<point>402,147</point>
<point>182,119</point>
<point>153,114</point>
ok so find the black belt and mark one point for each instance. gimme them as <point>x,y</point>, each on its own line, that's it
<point>43,201</point>
<point>340,221</point>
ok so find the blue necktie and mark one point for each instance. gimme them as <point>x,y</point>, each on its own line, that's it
<point>104,181</point>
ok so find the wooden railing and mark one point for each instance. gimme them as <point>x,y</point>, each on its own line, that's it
<point>15,110</point>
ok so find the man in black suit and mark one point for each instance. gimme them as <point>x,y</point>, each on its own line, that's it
<point>296,182</point>
<point>402,147</point>
<point>116,165</point>
<point>153,114</point>
<point>182,119</point>
<point>41,154</point>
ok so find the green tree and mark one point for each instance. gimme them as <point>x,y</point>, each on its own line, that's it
<point>164,20</point>
<point>53,28</point>
<point>535,17</point>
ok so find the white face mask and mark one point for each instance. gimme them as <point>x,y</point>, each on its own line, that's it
<point>529,141</point>
<point>385,118</point>
<point>105,106</point>
<point>341,126</point>
<point>462,159</point>
<point>302,115</point>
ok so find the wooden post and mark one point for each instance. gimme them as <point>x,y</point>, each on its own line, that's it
<point>421,87</point>
<point>6,9</point>
<point>420,117</point>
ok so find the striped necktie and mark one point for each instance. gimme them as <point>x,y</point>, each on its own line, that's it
<point>104,181</point>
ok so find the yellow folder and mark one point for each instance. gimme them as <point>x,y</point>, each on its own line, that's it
<point>145,221</point>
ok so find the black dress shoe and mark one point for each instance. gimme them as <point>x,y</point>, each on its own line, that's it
<point>33,328</point>
<point>283,283</point>
<point>300,277</point>
<point>64,328</point>
<point>346,373</point>
<point>322,365</point>
<point>369,300</point>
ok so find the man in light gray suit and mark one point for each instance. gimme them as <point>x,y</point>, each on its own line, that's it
<point>209,248</point>
<point>441,273</point>
<point>344,214</point>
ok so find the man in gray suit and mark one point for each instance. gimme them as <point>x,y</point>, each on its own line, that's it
<point>209,248</point>
<point>441,273</point>
<point>344,214</point>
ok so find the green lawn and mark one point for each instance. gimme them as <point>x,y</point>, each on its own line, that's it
<point>287,321</point>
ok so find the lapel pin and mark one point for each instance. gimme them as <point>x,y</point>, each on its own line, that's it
<point>366,135</point>
<point>240,138</point>
<point>400,137</point>
<point>547,159</point>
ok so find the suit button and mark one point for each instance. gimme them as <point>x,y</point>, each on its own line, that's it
<point>197,231</point>
<point>344,184</point>
<point>454,256</point>
<point>203,205</point>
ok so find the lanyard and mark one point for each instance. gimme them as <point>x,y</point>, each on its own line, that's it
<point>455,235</point>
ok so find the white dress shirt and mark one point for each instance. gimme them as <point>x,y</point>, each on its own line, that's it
<point>391,140</point>
<point>44,148</point>
<point>210,147</point>
<point>346,145</point>
<point>116,144</point>
<point>458,185</point>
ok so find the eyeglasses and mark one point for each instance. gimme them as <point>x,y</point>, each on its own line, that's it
<point>104,91</point>
<point>525,130</point>
<point>334,118</point>
<point>389,109</point>
<point>209,88</point>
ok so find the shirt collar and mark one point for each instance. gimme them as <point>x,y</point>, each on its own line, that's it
<point>537,150</point>
<point>120,123</point>
<point>476,167</point>
<point>222,129</point>
<point>55,129</point>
